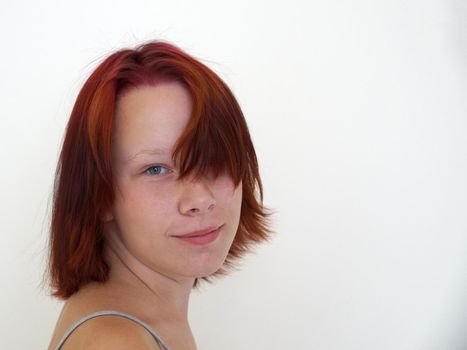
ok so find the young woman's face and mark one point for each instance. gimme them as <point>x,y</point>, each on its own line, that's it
<point>152,206</point>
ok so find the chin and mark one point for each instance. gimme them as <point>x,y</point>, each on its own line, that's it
<point>208,272</point>
<point>203,268</point>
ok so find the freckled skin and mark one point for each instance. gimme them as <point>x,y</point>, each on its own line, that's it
<point>151,204</point>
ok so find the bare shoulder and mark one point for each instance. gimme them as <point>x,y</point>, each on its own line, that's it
<point>114,333</point>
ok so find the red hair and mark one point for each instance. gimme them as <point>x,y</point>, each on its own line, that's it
<point>216,139</point>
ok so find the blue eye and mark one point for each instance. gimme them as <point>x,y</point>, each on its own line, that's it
<point>156,170</point>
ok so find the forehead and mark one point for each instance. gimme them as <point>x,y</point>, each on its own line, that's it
<point>150,117</point>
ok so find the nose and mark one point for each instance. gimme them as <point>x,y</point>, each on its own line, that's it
<point>196,198</point>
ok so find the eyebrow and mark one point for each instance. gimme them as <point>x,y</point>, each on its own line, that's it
<point>154,151</point>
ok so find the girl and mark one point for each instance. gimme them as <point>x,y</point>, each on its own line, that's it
<point>157,188</point>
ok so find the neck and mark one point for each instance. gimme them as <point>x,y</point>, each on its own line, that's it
<point>168,295</point>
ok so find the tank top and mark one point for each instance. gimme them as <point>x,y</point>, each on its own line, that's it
<point>111,313</point>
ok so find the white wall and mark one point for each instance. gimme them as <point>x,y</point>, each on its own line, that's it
<point>358,111</point>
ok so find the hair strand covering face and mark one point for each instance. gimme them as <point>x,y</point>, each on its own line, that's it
<point>215,140</point>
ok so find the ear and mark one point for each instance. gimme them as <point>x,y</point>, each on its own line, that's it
<point>107,216</point>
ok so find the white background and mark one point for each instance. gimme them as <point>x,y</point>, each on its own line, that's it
<point>358,111</point>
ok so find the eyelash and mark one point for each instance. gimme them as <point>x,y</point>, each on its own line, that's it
<point>147,171</point>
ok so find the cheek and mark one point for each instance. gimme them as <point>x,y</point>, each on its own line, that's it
<point>237,201</point>
<point>231,197</point>
<point>144,202</point>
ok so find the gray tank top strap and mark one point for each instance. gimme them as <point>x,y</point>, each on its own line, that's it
<point>111,313</point>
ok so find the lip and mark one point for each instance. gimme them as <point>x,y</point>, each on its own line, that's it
<point>198,233</point>
<point>202,237</point>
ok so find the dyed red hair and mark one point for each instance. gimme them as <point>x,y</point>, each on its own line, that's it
<point>216,139</point>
